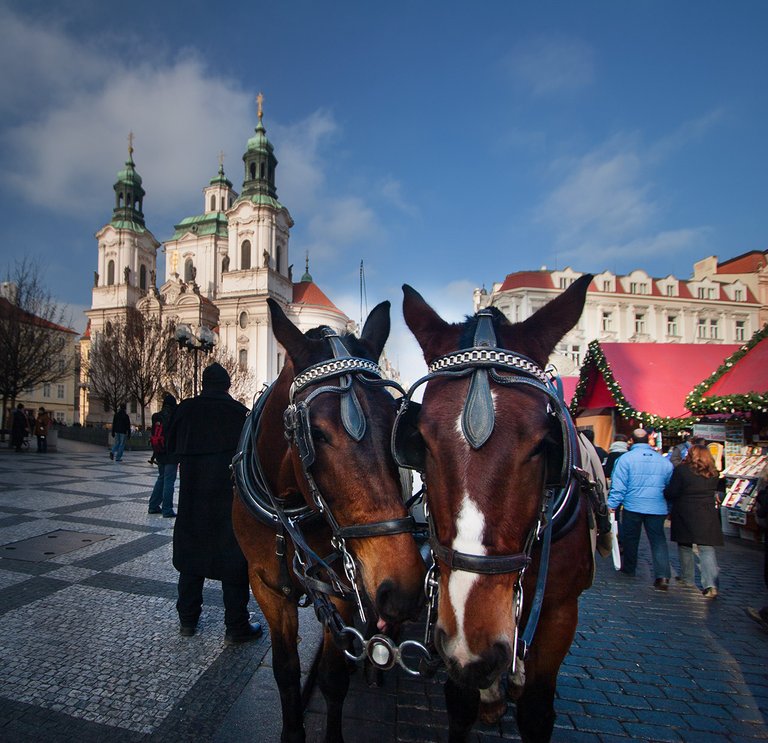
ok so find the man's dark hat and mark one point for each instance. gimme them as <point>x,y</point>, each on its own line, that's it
<point>215,377</point>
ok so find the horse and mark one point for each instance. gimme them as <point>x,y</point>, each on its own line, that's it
<point>320,515</point>
<point>510,506</point>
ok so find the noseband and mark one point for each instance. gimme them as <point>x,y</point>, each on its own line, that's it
<point>485,363</point>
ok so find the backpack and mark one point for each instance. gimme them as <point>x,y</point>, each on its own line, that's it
<point>157,437</point>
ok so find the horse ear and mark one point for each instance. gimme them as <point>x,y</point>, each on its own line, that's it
<point>544,329</point>
<point>289,336</point>
<point>376,329</point>
<point>431,331</point>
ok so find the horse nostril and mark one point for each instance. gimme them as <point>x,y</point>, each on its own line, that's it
<point>385,599</point>
<point>503,652</point>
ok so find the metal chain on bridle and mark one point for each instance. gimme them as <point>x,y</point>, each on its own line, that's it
<point>486,363</point>
<point>318,576</point>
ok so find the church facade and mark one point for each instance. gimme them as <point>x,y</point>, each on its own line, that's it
<point>221,266</point>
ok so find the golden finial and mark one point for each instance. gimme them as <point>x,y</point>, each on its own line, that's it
<point>130,144</point>
<point>260,103</point>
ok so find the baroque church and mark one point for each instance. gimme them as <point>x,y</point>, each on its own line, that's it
<point>221,266</point>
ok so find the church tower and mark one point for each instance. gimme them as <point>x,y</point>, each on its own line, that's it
<point>127,250</point>
<point>258,260</point>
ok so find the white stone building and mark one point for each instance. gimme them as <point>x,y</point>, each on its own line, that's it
<point>221,266</point>
<point>635,308</point>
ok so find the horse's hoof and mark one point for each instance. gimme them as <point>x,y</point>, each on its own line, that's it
<point>490,713</point>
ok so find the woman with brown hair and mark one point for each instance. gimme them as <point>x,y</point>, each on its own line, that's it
<point>692,495</point>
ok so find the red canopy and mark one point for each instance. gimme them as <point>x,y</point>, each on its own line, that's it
<point>748,374</point>
<point>653,378</point>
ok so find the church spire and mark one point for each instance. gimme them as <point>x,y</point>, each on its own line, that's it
<point>260,161</point>
<point>307,277</point>
<point>129,194</point>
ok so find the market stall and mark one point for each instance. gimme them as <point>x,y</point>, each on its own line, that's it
<point>735,397</point>
<point>626,385</point>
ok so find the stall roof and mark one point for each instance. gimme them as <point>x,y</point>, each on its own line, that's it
<point>646,382</point>
<point>739,384</point>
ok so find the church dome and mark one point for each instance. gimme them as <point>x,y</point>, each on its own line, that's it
<point>259,142</point>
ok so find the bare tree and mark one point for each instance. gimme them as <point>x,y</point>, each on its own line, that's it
<point>149,349</point>
<point>33,336</point>
<point>105,367</point>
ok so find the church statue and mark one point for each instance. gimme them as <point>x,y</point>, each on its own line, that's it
<point>127,274</point>
<point>193,273</point>
<point>290,272</point>
<point>225,264</point>
<point>152,277</point>
<point>95,278</point>
<point>266,259</point>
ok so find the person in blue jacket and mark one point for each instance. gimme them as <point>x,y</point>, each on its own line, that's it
<point>638,482</point>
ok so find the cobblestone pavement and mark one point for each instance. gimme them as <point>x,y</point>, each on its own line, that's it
<point>89,642</point>
<point>90,650</point>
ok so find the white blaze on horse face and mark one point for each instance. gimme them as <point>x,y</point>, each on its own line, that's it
<point>470,526</point>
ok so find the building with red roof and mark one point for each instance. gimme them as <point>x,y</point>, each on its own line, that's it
<point>634,308</point>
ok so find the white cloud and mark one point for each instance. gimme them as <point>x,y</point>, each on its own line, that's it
<point>552,65</point>
<point>338,223</point>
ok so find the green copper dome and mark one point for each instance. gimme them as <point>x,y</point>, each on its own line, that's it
<point>259,142</point>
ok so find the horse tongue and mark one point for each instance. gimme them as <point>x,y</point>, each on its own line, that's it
<point>381,625</point>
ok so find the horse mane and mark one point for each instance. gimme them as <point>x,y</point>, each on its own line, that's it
<point>354,345</point>
<point>468,328</point>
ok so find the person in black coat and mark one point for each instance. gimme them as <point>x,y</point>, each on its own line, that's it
<point>692,493</point>
<point>203,436</point>
<point>19,428</point>
<point>121,432</point>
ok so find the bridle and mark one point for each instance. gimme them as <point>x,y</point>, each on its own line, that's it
<point>486,363</point>
<point>319,576</point>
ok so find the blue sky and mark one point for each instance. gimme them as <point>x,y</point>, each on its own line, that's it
<point>445,144</point>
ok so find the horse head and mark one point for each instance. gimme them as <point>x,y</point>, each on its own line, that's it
<point>488,444</point>
<point>336,453</point>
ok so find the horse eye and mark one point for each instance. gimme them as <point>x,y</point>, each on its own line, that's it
<point>318,435</point>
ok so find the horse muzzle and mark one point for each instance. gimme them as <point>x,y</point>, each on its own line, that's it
<point>482,670</point>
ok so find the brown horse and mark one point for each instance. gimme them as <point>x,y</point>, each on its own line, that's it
<point>316,478</point>
<point>507,502</point>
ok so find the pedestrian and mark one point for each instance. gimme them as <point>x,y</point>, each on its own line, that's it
<point>602,454</point>
<point>680,451</point>
<point>204,434</point>
<point>42,424</point>
<point>695,516</point>
<point>19,427</point>
<point>619,446</point>
<point>161,500</point>
<point>121,432</point>
<point>761,516</point>
<point>638,482</point>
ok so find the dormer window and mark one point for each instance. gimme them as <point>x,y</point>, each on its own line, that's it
<point>636,287</point>
<point>738,295</point>
<point>606,285</point>
<point>670,290</point>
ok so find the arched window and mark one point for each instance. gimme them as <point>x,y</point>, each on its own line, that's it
<point>242,359</point>
<point>278,257</point>
<point>253,171</point>
<point>263,170</point>
<point>243,320</point>
<point>245,254</point>
<point>213,203</point>
<point>143,277</point>
<point>110,273</point>
<point>188,270</point>
<point>120,200</point>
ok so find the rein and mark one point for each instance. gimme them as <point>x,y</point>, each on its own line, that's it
<point>486,363</point>
<point>316,574</point>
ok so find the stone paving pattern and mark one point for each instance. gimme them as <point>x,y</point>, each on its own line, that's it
<point>90,650</point>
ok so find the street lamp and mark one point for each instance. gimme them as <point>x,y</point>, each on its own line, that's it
<point>204,340</point>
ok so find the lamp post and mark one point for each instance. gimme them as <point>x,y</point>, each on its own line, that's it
<point>204,340</point>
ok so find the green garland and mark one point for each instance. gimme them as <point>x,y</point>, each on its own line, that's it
<point>596,356</point>
<point>697,403</point>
